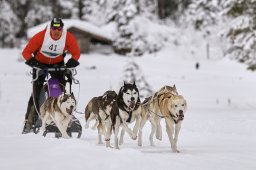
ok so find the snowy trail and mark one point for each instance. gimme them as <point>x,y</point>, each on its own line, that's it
<point>214,136</point>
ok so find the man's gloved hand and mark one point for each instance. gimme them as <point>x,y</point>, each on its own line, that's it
<point>72,63</point>
<point>32,62</point>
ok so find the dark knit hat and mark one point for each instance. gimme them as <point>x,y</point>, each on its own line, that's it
<point>57,22</point>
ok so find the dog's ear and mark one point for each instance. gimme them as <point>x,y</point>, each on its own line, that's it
<point>124,83</point>
<point>174,87</point>
<point>186,106</point>
<point>134,83</point>
<point>104,97</point>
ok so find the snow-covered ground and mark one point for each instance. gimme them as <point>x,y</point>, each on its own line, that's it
<point>219,130</point>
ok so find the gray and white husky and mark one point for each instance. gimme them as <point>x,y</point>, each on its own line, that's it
<point>128,110</point>
<point>100,109</point>
<point>58,110</point>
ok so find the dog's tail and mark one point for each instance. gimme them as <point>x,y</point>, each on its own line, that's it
<point>87,113</point>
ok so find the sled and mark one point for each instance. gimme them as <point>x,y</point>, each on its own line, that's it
<point>52,88</point>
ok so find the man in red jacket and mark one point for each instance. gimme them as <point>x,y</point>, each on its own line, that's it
<point>47,49</point>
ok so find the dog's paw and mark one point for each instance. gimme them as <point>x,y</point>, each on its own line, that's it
<point>159,137</point>
<point>109,146</point>
<point>134,136</point>
<point>139,143</point>
<point>66,136</point>
<point>121,142</point>
<point>175,150</point>
<point>152,144</point>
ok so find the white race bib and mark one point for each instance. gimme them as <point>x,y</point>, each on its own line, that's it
<point>53,48</point>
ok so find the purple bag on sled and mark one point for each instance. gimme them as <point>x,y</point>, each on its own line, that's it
<point>54,87</point>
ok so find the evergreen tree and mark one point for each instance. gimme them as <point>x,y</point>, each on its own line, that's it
<point>60,8</point>
<point>94,11</point>
<point>78,7</point>
<point>132,37</point>
<point>201,13</point>
<point>126,11</point>
<point>148,8</point>
<point>33,12</point>
<point>21,8</point>
<point>241,33</point>
<point>38,14</point>
<point>9,25</point>
<point>167,8</point>
<point>133,73</point>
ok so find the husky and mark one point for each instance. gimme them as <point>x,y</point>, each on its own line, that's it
<point>168,104</point>
<point>59,110</point>
<point>99,109</point>
<point>127,110</point>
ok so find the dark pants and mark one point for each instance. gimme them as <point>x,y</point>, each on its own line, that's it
<point>38,85</point>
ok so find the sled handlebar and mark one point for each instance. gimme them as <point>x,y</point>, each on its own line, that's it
<point>54,69</point>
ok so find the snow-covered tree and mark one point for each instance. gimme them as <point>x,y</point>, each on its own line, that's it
<point>9,25</point>
<point>133,73</point>
<point>148,8</point>
<point>33,12</point>
<point>126,11</point>
<point>241,30</point>
<point>201,13</point>
<point>94,11</point>
<point>21,8</point>
<point>167,8</point>
<point>136,34</point>
<point>41,11</point>
<point>38,14</point>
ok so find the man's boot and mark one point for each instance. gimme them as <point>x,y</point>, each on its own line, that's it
<point>28,127</point>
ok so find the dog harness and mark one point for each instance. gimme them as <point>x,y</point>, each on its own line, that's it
<point>161,116</point>
<point>171,115</point>
<point>101,107</point>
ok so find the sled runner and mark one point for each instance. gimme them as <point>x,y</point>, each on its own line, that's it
<point>74,126</point>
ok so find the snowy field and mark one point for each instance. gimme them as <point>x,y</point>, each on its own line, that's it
<point>218,132</point>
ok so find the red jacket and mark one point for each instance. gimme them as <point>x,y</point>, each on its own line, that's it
<point>35,44</point>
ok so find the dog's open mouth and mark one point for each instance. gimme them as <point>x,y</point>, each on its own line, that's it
<point>131,104</point>
<point>180,117</point>
<point>69,111</point>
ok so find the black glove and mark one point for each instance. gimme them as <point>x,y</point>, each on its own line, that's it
<point>32,62</point>
<point>72,63</point>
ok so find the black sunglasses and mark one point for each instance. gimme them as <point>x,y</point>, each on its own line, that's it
<point>57,28</point>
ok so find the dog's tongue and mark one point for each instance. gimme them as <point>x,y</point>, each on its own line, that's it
<point>69,111</point>
<point>131,104</point>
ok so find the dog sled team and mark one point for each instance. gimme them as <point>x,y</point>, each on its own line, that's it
<point>113,112</point>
